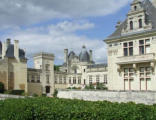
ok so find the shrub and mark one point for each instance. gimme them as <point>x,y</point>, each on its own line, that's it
<point>55,93</point>
<point>101,86</point>
<point>17,92</point>
<point>60,109</point>
<point>1,87</point>
<point>7,92</point>
<point>89,87</point>
<point>35,95</point>
<point>44,95</point>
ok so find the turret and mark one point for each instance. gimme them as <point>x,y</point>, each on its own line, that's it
<point>45,62</point>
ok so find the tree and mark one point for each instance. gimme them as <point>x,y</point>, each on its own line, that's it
<point>56,68</point>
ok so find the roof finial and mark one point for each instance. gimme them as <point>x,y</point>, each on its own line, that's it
<point>83,46</point>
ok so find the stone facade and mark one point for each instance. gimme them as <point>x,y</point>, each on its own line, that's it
<point>132,49</point>
<point>42,74</point>
<point>131,60</point>
<point>13,66</point>
<point>80,70</point>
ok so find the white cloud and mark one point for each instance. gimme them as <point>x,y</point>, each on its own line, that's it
<point>55,38</point>
<point>26,12</point>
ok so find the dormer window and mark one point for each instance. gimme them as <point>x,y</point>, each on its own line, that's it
<point>140,23</point>
<point>131,25</point>
<point>135,8</point>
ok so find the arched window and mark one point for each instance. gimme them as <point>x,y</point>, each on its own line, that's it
<point>140,23</point>
<point>131,25</point>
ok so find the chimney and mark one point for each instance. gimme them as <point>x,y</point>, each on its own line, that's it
<point>16,49</point>
<point>91,55</point>
<point>8,42</point>
<point>65,56</point>
<point>5,46</point>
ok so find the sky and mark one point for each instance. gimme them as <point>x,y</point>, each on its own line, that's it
<point>54,25</point>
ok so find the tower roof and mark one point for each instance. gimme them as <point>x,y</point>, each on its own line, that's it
<point>10,52</point>
<point>84,55</point>
<point>71,55</point>
<point>150,11</point>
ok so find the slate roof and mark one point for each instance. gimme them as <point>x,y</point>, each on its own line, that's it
<point>84,55</point>
<point>10,52</point>
<point>71,55</point>
<point>97,66</point>
<point>151,17</point>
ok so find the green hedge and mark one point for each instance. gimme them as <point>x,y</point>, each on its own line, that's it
<point>60,109</point>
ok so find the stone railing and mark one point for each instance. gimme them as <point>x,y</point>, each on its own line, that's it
<point>136,58</point>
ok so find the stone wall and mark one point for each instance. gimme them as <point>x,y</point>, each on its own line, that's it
<point>34,88</point>
<point>113,96</point>
<point>4,96</point>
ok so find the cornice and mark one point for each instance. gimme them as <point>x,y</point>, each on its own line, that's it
<point>132,36</point>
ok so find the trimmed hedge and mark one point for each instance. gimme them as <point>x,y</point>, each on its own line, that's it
<point>61,109</point>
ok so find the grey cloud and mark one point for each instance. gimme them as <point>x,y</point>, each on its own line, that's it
<point>25,12</point>
<point>55,40</point>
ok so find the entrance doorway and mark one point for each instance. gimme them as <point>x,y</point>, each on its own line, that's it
<point>47,89</point>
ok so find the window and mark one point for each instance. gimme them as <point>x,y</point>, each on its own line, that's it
<point>105,79</point>
<point>90,80</point>
<point>47,79</point>
<point>69,80</point>
<point>145,77</point>
<point>60,79</point>
<point>128,48</point>
<point>38,78</point>
<point>84,81</point>
<point>28,79</point>
<point>97,79</point>
<point>47,67</point>
<point>75,71</point>
<point>128,77</point>
<point>32,78</point>
<point>140,23</point>
<point>135,8</point>
<point>55,79</point>
<point>74,80</point>
<point>64,79</point>
<point>131,25</point>
<point>84,70</point>
<point>144,46</point>
<point>110,45</point>
<point>79,80</point>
